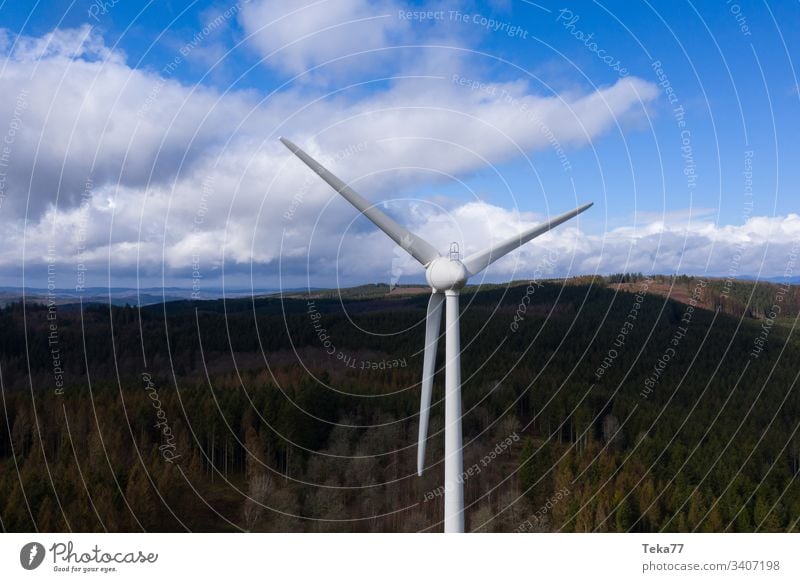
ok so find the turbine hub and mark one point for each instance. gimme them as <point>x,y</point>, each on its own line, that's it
<point>444,274</point>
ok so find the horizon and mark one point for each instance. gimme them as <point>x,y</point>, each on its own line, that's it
<point>213,293</point>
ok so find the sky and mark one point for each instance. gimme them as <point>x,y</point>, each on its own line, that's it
<point>139,142</point>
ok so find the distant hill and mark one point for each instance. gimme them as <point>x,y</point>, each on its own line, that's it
<point>739,297</point>
<point>368,291</point>
<point>122,296</point>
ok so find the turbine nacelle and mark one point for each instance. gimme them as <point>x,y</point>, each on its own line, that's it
<point>446,274</point>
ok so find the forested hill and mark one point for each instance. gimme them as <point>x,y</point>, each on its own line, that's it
<point>753,299</point>
<point>586,407</point>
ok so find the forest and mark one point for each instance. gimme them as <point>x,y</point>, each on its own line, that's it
<point>596,405</point>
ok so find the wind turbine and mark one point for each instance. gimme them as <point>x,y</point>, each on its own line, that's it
<point>446,275</point>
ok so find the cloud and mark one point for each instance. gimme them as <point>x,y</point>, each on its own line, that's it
<point>294,37</point>
<point>661,246</point>
<point>87,115</point>
<point>70,43</point>
<point>762,245</point>
<point>331,252</point>
<point>152,175</point>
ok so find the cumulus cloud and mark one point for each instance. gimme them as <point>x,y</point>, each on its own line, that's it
<point>71,43</point>
<point>671,244</point>
<point>111,161</point>
<point>88,115</point>
<point>131,170</point>
<point>295,37</point>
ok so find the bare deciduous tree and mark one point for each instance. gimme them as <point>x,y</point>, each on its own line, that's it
<point>258,490</point>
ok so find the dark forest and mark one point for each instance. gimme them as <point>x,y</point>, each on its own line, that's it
<point>594,405</point>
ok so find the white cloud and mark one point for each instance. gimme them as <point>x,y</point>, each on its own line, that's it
<point>94,111</point>
<point>333,250</point>
<point>762,244</point>
<point>71,43</point>
<point>87,114</point>
<point>294,37</point>
<point>150,144</point>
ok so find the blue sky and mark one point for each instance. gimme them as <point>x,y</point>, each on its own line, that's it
<point>429,106</point>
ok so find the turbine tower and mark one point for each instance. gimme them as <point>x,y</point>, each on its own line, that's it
<point>446,275</point>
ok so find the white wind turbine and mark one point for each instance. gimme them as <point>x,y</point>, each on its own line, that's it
<point>446,275</point>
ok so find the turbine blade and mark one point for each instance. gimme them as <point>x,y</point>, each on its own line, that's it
<point>432,323</point>
<point>477,262</point>
<point>418,248</point>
